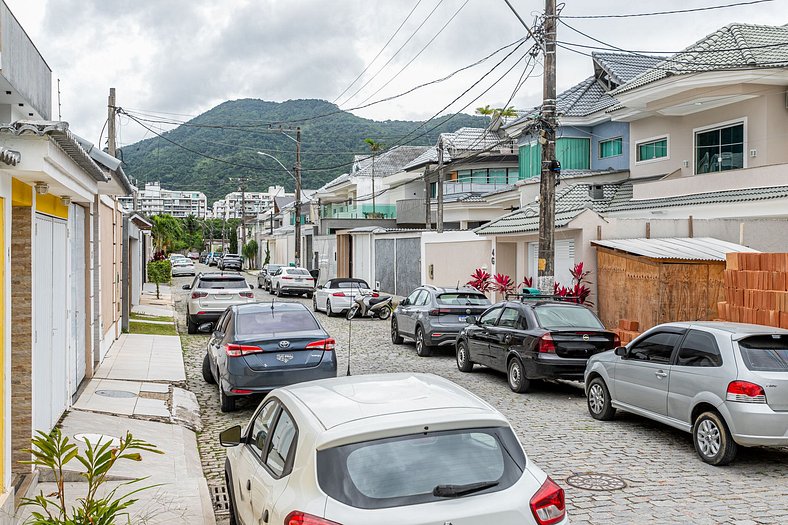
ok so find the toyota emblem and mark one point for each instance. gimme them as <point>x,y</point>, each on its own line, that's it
<point>585,337</point>
<point>284,344</point>
<point>467,310</point>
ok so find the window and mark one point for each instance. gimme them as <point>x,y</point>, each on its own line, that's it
<point>350,284</point>
<point>498,176</point>
<point>765,353</point>
<point>281,443</point>
<point>655,348</point>
<point>655,149</point>
<point>423,298</point>
<point>490,316</point>
<point>434,190</point>
<point>479,176</point>
<point>699,349</point>
<point>611,148</point>
<point>266,321</point>
<point>573,153</point>
<point>221,284</point>
<point>463,299</point>
<point>720,149</point>
<point>413,296</point>
<point>261,427</point>
<point>464,176</point>
<point>553,316</point>
<point>509,318</point>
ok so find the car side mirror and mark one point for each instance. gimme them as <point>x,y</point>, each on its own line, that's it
<point>621,351</point>
<point>404,302</point>
<point>231,437</point>
<point>471,319</point>
<point>205,328</point>
<point>186,287</point>
<point>251,286</point>
<point>319,286</point>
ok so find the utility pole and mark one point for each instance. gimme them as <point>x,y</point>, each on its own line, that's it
<point>428,199</point>
<point>111,145</point>
<point>242,187</point>
<point>297,223</point>
<point>439,225</point>
<point>547,139</point>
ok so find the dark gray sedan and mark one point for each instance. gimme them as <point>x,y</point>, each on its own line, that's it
<point>255,348</point>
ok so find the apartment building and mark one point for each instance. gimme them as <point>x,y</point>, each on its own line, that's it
<point>255,203</point>
<point>154,200</point>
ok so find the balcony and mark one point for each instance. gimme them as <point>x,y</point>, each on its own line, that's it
<point>358,211</point>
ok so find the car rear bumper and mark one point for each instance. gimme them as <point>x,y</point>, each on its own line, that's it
<point>296,288</point>
<point>443,337</point>
<point>553,367</point>
<point>754,424</point>
<point>263,381</point>
<point>178,273</point>
<point>206,316</point>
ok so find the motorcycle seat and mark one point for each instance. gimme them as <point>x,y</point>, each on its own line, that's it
<point>376,300</point>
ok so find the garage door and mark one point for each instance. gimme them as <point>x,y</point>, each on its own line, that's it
<point>50,374</point>
<point>77,321</point>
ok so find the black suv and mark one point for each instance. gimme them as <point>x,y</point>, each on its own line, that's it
<point>433,316</point>
<point>533,339</point>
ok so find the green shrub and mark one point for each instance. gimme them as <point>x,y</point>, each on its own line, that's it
<point>159,272</point>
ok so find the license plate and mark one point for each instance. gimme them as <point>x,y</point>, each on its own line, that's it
<point>222,296</point>
<point>299,280</point>
<point>462,318</point>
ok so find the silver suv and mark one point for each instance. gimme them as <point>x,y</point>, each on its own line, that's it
<point>726,383</point>
<point>433,316</point>
<point>211,294</point>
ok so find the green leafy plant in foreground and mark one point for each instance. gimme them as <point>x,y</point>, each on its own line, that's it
<point>54,452</point>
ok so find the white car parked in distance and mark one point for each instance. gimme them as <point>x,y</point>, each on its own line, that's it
<point>389,449</point>
<point>292,280</point>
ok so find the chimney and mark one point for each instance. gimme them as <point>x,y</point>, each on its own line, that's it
<point>596,192</point>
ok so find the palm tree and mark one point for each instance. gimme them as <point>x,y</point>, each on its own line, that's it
<point>496,112</point>
<point>374,148</point>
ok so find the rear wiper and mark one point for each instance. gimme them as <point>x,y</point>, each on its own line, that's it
<point>454,491</point>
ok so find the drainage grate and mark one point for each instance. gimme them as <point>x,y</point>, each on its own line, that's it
<point>115,393</point>
<point>221,502</point>
<point>597,482</point>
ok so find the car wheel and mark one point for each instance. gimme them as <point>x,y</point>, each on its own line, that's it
<point>207,373</point>
<point>395,337</point>
<point>309,295</point>
<point>422,348</point>
<point>329,311</point>
<point>713,441</point>
<point>599,405</point>
<point>314,304</point>
<point>191,327</point>
<point>271,288</point>
<point>226,403</point>
<point>464,362</point>
<point>516,377</point>
<point>278,291</point>
<point>384,313</point>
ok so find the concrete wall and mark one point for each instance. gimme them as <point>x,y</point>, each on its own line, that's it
<point>610,130</point>
<point>454,256</point>
<point>364,257</point>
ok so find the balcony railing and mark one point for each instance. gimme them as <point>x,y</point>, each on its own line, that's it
<point>358,211</point>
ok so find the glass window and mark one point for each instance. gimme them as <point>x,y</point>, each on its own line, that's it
<point>611,148</point>
<point>656,348</point>
<point>463,299</point>
<point>509,318</point>
<point>553,316</point>
<point>529,160</point>
<point>281,442</point>
<point>413,296</point>
<point>297,271</point>
<point>434,190</point>
<point>699,349</point>
<point>407,470</point>
<point>765,353</point>
<point>573,153</point>
<point>464,176</point>
<point>490,316</point>
<point>423,299</point>
<point>719,149</point>
<point>498,176</point>
<point>261,427</point>
<point>479,176</point>
<point>221,284</point>
<point>352,283</point>
<point>265,321</point>
<point>512,175</point>
<point>655,149</point>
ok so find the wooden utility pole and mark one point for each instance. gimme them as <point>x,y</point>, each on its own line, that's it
<point>242,188</point>
<point>439,221</point>
<point>427,199</point>
<point>111,144</point>
<point>547,139</point>
<point>298,199</point>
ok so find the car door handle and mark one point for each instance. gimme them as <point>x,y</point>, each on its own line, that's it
<point>507,339</point>
<point>660,374</point>
<point>265,516</point>
<point>248,484</point>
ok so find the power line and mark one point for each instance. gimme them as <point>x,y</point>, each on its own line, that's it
<point>677,11</point>
<point>653,52</point>
<point>379,52</point>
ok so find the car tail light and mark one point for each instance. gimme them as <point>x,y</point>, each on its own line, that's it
<point>249,295</point>
<point>338,294</point>
<point>745,392</point>
<point>616,341</point>
<point>325,344</point>
<point>197,295</point>
<point>302,518</point>
<point>233,350</point>
<point>287,278</point>
<point>439,311</point>
<point>546,344</point>
<point>241,391</point>
<point>548,503</point>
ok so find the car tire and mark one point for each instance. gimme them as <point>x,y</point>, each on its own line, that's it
<point>464,363</point>
<point>712,439</point>
<point>278,291</point>
<point>314,304</point>
<point>329,311</point>
<point>598,399</point>
<point>422,348</point>
<point>191,327</point>
<point>395,337</point>
<point>515,376</point>
<point>207,372</point>
<point>271,289</point>
<point>226,403</point>
<point>309,295</point>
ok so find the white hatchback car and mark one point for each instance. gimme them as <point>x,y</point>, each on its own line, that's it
<point>404,449</point>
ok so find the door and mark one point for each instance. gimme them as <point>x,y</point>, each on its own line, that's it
<point>641,380</point>
<point>273,472</point>
<point>479,337</point>
<point>406,315</point>
<point>506,333</point>
<point>248,460</point>
<point>699,367</point>
<point>77,344</point>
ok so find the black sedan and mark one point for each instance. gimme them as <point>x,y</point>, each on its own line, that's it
<point>255,348</point>
<point>533,340</point>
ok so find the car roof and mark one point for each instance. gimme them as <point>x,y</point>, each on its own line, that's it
<point>444,289</point>
<point>413,398</point>
<point>737,330</point>
<point>262,307</point>
<point>222,276</point>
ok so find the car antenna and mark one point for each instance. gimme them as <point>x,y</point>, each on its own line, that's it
<point>350,329</point>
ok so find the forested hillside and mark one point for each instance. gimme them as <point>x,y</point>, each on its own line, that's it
<point>231,134</point>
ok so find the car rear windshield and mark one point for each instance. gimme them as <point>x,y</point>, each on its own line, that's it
<point>229,256</point>
<point>297,271</point>
<point>277,321</point>
<point>765,353</point>
<point>349,284</point>
<point>220,284</point>
<point>405,470</point>
<point>463,299</point>
<point>564,316</point>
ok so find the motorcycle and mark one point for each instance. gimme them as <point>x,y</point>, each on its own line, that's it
<point>371,305</point>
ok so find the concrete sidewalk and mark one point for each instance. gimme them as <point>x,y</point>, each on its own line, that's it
<point>137,389</point>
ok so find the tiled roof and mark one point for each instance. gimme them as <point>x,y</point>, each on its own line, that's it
<point>623,67</point>
<point>623,200</point>
<point>735,46</point>
<point>464,140</point>
<point>391,161</point>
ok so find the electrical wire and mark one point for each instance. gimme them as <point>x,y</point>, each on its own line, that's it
<point>379,52</point>
<point>653,52</point>
<point>677,11</point>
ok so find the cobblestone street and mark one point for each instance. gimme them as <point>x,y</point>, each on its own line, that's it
<point>665,480</point>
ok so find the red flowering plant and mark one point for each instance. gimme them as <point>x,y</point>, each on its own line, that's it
<point>503,284</point>
<point>578,292</point>
<point>528,282</point>
<point>480,279</point>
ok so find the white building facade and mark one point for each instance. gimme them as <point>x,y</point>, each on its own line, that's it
<point>254,203</point>
<point>154,200</point>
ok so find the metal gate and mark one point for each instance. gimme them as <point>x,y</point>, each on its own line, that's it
<point>50,373</point>
<point>78,320</point>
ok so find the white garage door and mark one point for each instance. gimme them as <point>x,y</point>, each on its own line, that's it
<point>564,261</point>
<point>76,351</point>
<point>50,372</point>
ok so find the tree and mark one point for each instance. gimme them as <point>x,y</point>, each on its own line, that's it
<point>267,253</point>
<point>374,148</point>
<point>167,232</point>
<point>493,113</point>
<point>250,252</point>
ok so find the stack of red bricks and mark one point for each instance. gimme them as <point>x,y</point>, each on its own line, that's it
<point>756,289</point>
<point>627,330</point>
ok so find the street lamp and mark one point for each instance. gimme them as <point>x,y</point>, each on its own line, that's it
<point>297,222</point>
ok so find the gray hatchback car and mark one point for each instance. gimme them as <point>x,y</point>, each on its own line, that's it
<point>255,348</point>
<point>726,383</point>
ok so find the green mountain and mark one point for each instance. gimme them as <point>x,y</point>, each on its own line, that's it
<point>224,141</point>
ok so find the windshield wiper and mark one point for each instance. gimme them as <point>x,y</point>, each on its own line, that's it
<point>454,491</point>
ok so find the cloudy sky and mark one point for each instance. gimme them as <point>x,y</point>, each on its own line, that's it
<point>182,57</point>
